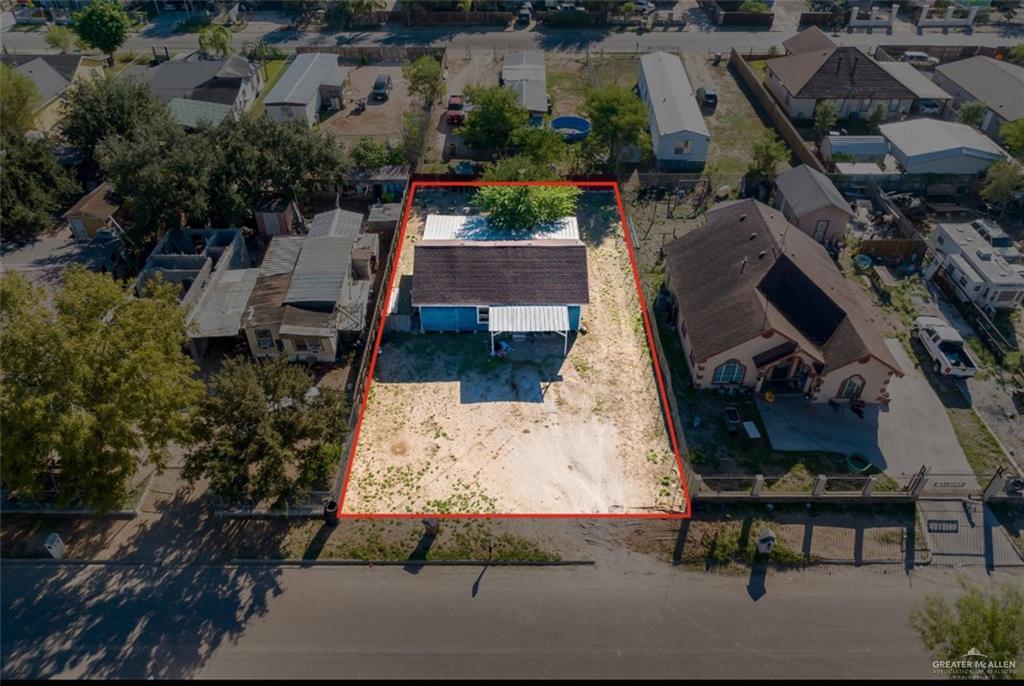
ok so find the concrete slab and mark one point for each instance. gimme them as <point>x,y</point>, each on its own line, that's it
<point>913,430</point>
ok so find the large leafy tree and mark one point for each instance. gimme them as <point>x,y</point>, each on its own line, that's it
<point>425,78</point>
<point>260,159</point>
<point>90,386</point>
<point>1013,136</point>
<point>369,154</point>
<point>825,117</point>
<point>215,39</point>
<point>264,435</point>
<point>103,24</point>
<point>989,622</point>
<point>541,150</point>
<point>33,187</point>
<point>521,208</point>
<point>972,113</point>
<point>19,99</point>
<point>495,116</point>
<point>618,120</point>
<point>162,174</point>
<point>101,107</point>
<point>60,38</point>
<point>1003,180</point>
<point>767,153</point>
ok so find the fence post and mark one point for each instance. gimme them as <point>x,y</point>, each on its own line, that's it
<point>819,485</point>
<point>995,485</point>
<point>919,482</point>
<point>869,487</point>
<point>758,485</point>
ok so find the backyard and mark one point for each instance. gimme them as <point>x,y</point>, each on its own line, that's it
<point>449,429</point>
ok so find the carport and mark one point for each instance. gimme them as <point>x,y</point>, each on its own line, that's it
<point>529,319</point>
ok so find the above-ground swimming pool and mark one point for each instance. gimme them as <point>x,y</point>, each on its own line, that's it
<point>571,127</point>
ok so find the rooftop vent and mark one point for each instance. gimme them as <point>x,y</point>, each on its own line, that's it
<point>761,255</point>
<point>985,255</point>
<point>743,264</point>
<point>753,235</point>
<point>743,217</point>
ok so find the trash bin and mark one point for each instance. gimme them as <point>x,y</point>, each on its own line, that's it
<point>330,512</point>
<point>718,58</point>
<point>55,546</point>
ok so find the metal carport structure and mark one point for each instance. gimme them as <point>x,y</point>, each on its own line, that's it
<point>529,319</point>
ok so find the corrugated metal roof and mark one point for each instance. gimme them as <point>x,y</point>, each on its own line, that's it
<point>528,318</point>
<point>281,255</point>
<point>47,80</point>
<point>532,95</point>
<point>191,113</point>
<point>300,83</point>
<point>670,97</point>
<point>320,270</point>
<point>924,136</point>
<point>858,145</point>
<point>299,322</point>
<point>452,227</point>
<point>223,304</point>
<point>524,74</point>
<point>338,223</point>
<point>515,58</point>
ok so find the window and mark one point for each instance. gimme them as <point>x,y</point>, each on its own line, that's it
<point>962,281</point>
<point>894,105</point>
<point>851,387</point>
<point>483,315</point>
<point>1005,295</point>
<point>300,345</point>
<point>820,229</point>
<point>729,372</point>
<point>865,104</point>
<point>307,345</point>
<point>264,339</point>
<point>684,148</point>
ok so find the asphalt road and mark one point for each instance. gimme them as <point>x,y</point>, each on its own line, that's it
<point>634,618</point>
<point>694,38</point>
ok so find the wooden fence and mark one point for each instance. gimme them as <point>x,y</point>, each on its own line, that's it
<point>782,123</point>
<point>893,248</point>
<point>383,53</point>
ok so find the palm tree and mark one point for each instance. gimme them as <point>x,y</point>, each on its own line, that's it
<point>215,39</point>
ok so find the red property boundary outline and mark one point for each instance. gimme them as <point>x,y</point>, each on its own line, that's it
<point>667,415</point>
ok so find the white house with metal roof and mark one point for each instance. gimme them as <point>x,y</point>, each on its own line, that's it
<point>996,83</point>
<point>311,82</point>
<point>934,146</point>
<point>977,271</point>
<point>523,73</point>
<point>679,135</point>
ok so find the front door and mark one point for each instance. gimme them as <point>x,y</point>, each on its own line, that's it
<point>820,228</point>
<point>780,372</point>
<point>78,229</point>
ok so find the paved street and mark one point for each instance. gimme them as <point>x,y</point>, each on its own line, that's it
<point>694,38</point>
<point>637,618</point>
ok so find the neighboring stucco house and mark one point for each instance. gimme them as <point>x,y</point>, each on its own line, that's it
<point>52,75</point>
<point>759,304</point>
<point>94,212</point>
<point>679,135</point>
<point>976,269</point>
<point>936,146</point>
<point>312,82</point>
<point>810,39</point>
<point>312,292</point>
<point>997,83</point>
<point>845,76</point>
<point>470,276</point>
<point>812,203</point>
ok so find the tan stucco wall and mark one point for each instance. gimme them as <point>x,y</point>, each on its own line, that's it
<point>875,374</point>
<point>837,223</point>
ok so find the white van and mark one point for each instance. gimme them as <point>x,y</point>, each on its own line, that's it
<point>919,59</point>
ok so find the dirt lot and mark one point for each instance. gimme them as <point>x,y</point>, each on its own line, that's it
<point>448,429</point>
<point>382,119</point>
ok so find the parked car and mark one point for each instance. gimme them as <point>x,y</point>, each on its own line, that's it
<point>707,97</point>
<point>381,87</point>
<point>929,107</point>
<point>919,59</point>
<point>456,110</point>
<point>945,346</point>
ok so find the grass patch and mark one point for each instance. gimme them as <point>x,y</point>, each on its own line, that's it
<point>272,71</point>
<point>979,445</point>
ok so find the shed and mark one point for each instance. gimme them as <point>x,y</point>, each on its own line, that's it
<point>679,134</point>
<point>94,211</point>
<point>812,203</point>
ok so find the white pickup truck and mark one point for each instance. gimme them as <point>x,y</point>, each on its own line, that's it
<point>945,346</point>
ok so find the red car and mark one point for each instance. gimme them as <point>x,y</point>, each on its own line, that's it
<point>456,110</point>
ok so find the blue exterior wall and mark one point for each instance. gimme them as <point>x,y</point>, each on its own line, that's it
<point>464,319</point>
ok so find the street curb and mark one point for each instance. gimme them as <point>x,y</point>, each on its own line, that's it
<point>28,561</point>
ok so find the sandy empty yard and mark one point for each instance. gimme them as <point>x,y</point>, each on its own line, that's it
<point>449,430</point>
<point>382,119</point>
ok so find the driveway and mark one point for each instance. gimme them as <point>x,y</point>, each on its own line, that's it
<point>914,430</point>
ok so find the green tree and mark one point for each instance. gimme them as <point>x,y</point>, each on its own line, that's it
<point>19,99</point>
<point>541,144</point>
<point>494,117</point>
<point>1003,180</point>
<point>520,208</point>
<point>618,121</point>
<point>825,118</point>
<point>754,6</point>
<point>104,25</point>
<point>989,622</point>
<point>1013,136</point>
<point>972,113</point>
<point>216,39</point>
<point>767,153</point>
<point>414,137</point>
<point>90,386</point>
<point>33,187</point>
<point>96,109</point>
<point>1016,54</point>
<point>520,167</point>
<point>875,117</point>
<point>162,175</point>
<point>369,154</point>
<point>60,38</point>
<point>425,78</point>
<point>262,434</point>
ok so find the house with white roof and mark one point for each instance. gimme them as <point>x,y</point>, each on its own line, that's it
<point>679,136</point>
<point>523,73</point>
<point>977,270</point>
<point>934,146</point>
<point>311,82</point>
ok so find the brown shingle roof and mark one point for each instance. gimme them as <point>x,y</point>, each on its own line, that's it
<point>748,270</point>
<point>548,272</point>
<point>836,73</point>
<point>99,203</point>
<point>808,40</point>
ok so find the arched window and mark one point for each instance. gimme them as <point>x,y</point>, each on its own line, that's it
<point>729,372</point>
<point>851,387</point>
